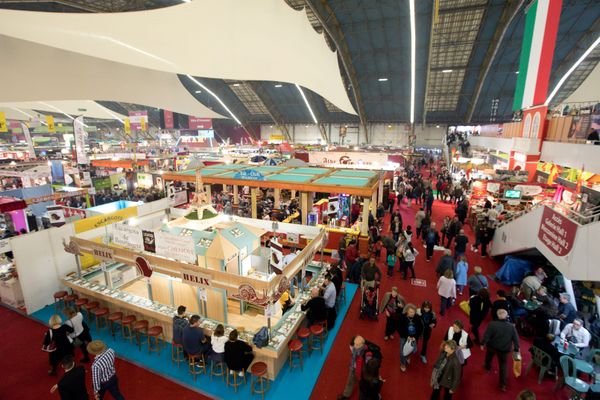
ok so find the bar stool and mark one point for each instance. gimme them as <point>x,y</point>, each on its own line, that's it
<point>217,368</point>
<point>89,307</point>
<point>177,353</point>
<point>259,370</point>
<point>295,348</point>
<point>70,299</point>
<point>323,323</point>
<point>100,313</point>
<point>318,332</point>
<point>140,328</point>
<point>155,334</point>
<point>303,335</point>
<point>127,323</point>
<point>235,377</point>
<point>59,299</point>
<point>80,303</point>
<point>116,317</point>
<point>197,365</point>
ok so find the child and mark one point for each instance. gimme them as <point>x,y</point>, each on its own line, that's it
<point>408,233</point>
<point>217,343</point>
<point>429,322</point>
<point>391,262</point>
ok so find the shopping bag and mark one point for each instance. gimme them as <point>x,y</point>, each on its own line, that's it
<point>409,348</point>
<point>464,305</point>
<point>517,366</point>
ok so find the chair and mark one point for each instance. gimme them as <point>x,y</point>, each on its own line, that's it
<point>70,299</point>
<point>116,317</point>
<point>100,313</point>
<point>177,353</point>
<point>303,335</point>
<point>80,303</point>
<point>323,323</point>
<point>318,337</point>
<point>258,370</point>
<point>576,385</point>
<point>217,368</point>
<point>127,325</point>
<point>155,339</point>
<point>89,307</point>
<point>59,299</point>
<point>140,328</point>
<point>235,377</point>
<point>196,365</point>
<point>542,360</point>
<point>295,349</point>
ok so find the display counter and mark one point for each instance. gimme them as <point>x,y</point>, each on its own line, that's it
<point>121,298</point>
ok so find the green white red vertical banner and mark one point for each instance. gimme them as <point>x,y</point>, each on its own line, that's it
<point>542,18</point>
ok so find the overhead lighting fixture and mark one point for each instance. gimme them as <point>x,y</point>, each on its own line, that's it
<point>198,91</point>
<point>570,71</point>
<point>207,90</point>
<point>236,84</point>
<point>517,72</point>
<point>278,85</point>
<point>60,111</point>
<point>446,71</point>
<point>307,105</point>
<point>413,47</point>
<point>382,79</point>
<point>437,126</point>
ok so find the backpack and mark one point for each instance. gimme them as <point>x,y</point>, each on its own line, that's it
<point>261,338</point>
<point>372,351</point>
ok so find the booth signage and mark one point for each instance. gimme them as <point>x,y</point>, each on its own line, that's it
<point>177,247</point>
<point>249,175</point>
<point>128,236</point>
<point>195,278</point>
<point>103,220</point>
<point>55,196</point>
<point>103,253</point>
<point>199,123</point>
<point>149,241</point>
<point>329,158</point>
<point>557,232</point>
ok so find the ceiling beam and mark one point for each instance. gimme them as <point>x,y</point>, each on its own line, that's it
<point>332,27</point>
<point>511,9</point>
<point>429,69</point>
<point>271,109</point>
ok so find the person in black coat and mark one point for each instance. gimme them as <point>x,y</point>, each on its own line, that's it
<point>479,305</point>
<point>446,373</point>
<point>58,334</point>
<point>370,382</point>
<point>410,328</point>
<point>238,354</point>
<point>315,307</point>
<point>72,384</point>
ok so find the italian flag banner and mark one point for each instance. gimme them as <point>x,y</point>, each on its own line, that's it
<point>541,26</point>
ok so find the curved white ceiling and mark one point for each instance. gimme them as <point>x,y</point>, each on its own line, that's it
<point>588,90</point>
<point>32,72</point>
<point>87,108</point>
<point>230,39</point>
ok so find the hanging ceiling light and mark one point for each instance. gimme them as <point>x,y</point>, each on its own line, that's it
<point>307,105</point>
<point>207,90</point>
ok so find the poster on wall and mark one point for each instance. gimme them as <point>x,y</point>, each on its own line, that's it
<point>580,125</point>
<point>80,140</point>
<point>333,206</point>
<point>128,236</point>
<point>177,247</point>
<point>557,232</point>
<point>149,241</point>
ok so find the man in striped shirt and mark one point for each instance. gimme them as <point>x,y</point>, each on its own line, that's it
<point>104,376</point>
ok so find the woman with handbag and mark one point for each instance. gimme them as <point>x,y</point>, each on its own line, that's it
<point>410,328</point>
<point>56,342</point>
<point>457,333</point>
<point>392,306</point>
<point>81,332</point>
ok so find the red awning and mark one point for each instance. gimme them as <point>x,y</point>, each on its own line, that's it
<point>11,204</point>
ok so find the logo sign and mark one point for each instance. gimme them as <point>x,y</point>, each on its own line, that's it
<point>149,241</point>
<point>195,278</point>
<point>143,266</point>
<point>249,175</point>
<point>418,282</point>
<point>103,253</point>
<point>557,232</point>
<point>136,118</point>
<point>199,123</point>
<point>177,247</point>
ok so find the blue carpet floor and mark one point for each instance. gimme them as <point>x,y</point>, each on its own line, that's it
<point>302,381</point>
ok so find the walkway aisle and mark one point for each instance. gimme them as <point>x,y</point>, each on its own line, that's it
<point>414,383</point>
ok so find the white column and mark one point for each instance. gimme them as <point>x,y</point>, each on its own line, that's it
<point>569,290</point>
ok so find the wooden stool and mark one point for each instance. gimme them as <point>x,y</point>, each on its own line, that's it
<point>233,374</point>
<point>317,332</point>
<point>197,365</point>
<point>116,317</point>
<point>80,302</point>
<point>217,368</point>
<point>259,370</point>
<point>177,353</point>
<point>155,334</point>
<point>59,299</point>
<point>295,347</point>
<point>127,323</point>
<point>303,335</point>
<point>89,307</point>
<point>139,328</point>
<point>70,299</point>
<point>100,313</point>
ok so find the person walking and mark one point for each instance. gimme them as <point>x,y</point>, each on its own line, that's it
<point>479,305</point>
<point>391,263</point>
<point>460,272</point>
<point>410,328</point>
<point>431,240</point>
<point>477,281</point>
<point>446,373</point>
<point>419,216</point>
<point>56,342</point>
<point>72,385</point>
<point>446,286</point>
<point>396,228</point>
<point>460,244</point>
<point>499,339</point>
<point>392,304</point>
<point>104,375</point>
<point>370,381</point>
<point>409,256</point>
<point>453,230</point>
<point>429,321</point>
<point>357,348</point>
<point>81,332</point>
<point>457,333</point>
<point>445,227</point>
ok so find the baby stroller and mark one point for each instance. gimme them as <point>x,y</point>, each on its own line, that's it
<point>369,306</point>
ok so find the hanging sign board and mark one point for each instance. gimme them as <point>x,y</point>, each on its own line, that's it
<point>557,232</point>
<point>196,278</point>
<point>128,236</point>
<point>249,175</point>
<point>177,247</point>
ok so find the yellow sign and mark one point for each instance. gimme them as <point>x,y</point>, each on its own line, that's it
<point>50,123</point>
<point>144,126</point>
<point>276,137</point>
<point>3,126</point>
<point>127,125</point>
<point>98,221</point>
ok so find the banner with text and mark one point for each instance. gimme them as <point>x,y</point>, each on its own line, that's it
<point>27,135</point>
<point>80,140</point>
<point>180,248</point>
<point>136,118</point>
<point>336,158</point>
<point>199,123</point>
<point>557,232</point>
<point>128,236</point>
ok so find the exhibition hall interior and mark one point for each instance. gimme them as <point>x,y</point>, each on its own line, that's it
<point>299,199</point>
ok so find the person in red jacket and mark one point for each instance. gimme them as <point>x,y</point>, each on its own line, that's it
<point>355,211</point>
<point>391,200</point>
<point>351,254</point>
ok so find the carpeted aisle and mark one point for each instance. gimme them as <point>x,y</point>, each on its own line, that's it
<point>414,383</point>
